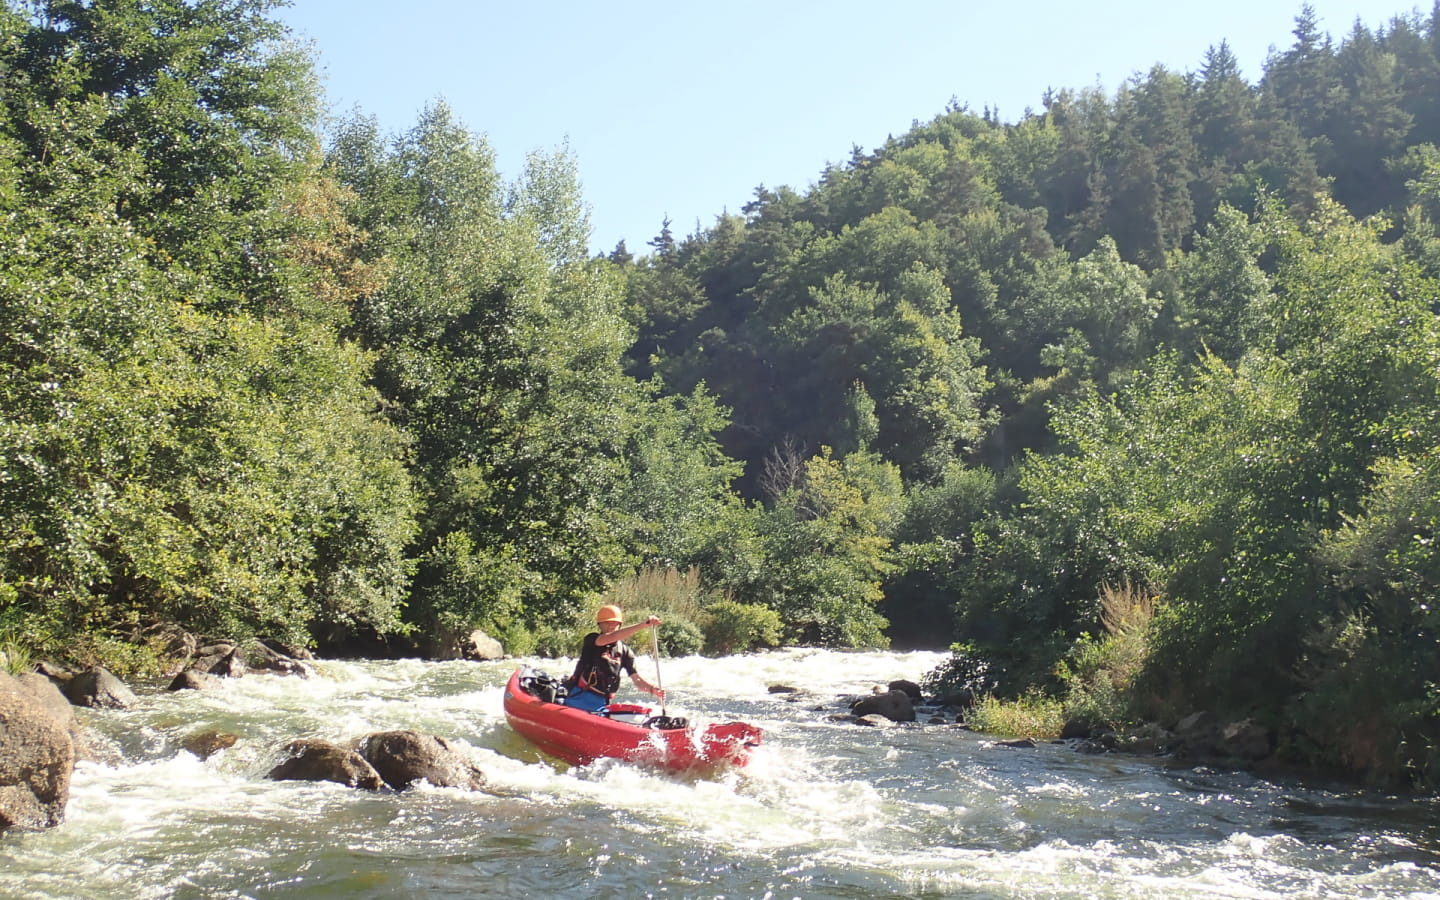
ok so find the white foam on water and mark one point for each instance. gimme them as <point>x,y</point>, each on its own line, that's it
<point>823,809</point>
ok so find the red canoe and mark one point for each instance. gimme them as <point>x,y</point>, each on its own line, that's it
<point>581,737</point>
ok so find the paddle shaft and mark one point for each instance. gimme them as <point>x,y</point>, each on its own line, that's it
<point>655,651</point>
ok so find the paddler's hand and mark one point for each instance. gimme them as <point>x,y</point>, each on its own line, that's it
<point>659,694</point>
<point>653,621</point>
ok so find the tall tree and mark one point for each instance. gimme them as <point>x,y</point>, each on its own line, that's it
<point>1370,127</point>
<point>185,437</point>
<point>1304,80</point>
<point>1225,115</point>
<point>1149,164</point>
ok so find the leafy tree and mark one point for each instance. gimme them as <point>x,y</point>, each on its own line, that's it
<point>185,437</point>
<point>826,550</point>
<point>909,351</point>
<point>676,490</point>
<point>934,535</point>
<point>547,471</point>
<point>1212,290</point>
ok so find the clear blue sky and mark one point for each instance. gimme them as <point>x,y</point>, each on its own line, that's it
<point>682,109</point>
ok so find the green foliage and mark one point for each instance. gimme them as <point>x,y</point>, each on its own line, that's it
<point>1099,674</point>
<point>674,498</point>
<point>1032,715</point>
<point>934,536</point>
<point>965,674</point>
<point>733,627</point>
<point>681,637</point>
<point>1215,288</point>
<point>1248,493</point>
<point>826,549</point>
<point>498,349</point>
<point>1370,704</point>
<point>122,656</point>
<point>185,437</point>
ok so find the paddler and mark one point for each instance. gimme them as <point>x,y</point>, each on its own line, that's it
<point>602,658</point>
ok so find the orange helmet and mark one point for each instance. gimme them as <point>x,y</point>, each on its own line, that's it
<point>609,614</point>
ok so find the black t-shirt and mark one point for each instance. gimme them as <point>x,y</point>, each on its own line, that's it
<point>599,667</point>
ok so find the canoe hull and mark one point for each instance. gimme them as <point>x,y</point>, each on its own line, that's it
<point>580,738</point>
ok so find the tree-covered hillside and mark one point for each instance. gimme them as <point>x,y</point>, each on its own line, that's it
<point>1176,345</point>
<point>1135,400</point>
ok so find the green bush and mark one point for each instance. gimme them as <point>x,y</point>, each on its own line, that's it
<point>964,673</point>
<point>732,627</point>
<point>1368,708</point>
<point>1100,673</point>
<point>678,637</point>
<point>124,658</point>
<point>1032,716</point>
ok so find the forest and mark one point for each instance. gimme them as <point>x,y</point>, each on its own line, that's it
<point>1133,402</point>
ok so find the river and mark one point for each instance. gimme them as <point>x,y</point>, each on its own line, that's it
<point>824,810</point>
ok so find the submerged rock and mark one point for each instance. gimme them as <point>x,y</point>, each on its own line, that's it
<point>207,743</point>
<point>874,720</point>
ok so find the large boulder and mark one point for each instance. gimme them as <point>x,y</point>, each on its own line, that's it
<point>291,650</point>
<point>482,646</point>
<point>172,643</point>
<point>97,687</point>
<point>230,664</point>
<point>911,689</point>
<point>1246,740</point>
<point>893,705</point>
<point>226,659</point>
<point>313,760</point>
<point>37,754</point>
<point>1202,736</point>
<point>50,694</point>
<point>1197,736</point>
<point>405,757</point>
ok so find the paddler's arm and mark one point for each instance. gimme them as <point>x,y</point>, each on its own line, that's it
<point>646,686</point>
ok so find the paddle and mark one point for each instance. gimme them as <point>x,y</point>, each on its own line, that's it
<point>663,720</point>
<point>655,651</point>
